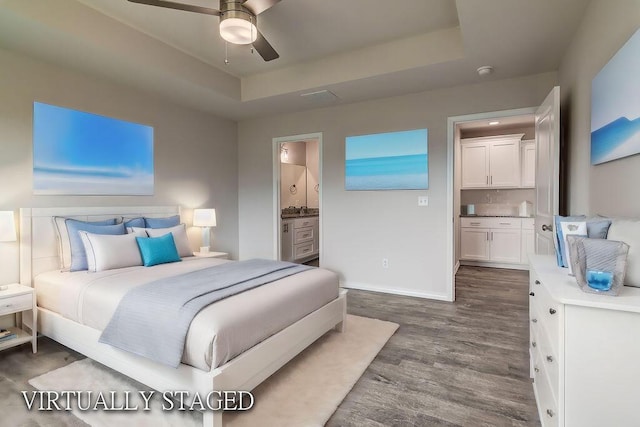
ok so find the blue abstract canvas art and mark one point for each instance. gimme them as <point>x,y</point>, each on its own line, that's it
<point>78,153</point>
<point>387,161</point>
<point>615,105</point>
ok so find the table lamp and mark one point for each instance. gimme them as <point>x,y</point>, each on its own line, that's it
<point>205,218</point>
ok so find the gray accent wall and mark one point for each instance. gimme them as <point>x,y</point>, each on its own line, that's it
<point>360,228</point>
<point>195,152</point>
<point>609,188</point>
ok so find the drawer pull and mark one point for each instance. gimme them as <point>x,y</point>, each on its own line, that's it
<point>536,370</point>
<point>533,344</point>
<point>475,223</point>
<point>531,294</point>
<point>505,223</point>
<point>549,359</point>
<point>550,412</point>
<point>537,282</point>
<point>552,311</point>
<point>534,320</point>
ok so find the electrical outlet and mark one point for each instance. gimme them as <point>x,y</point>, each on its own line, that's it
<point>423,200</point>
<point>385,263</point>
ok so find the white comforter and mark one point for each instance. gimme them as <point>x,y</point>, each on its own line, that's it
<point>219,332</point>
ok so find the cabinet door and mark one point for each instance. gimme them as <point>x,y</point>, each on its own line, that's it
<point>528,159</point>
<point>528,246</point>
<point>504,164</point>
<point>474,164</point>
<point>316,236</point>
<point>286,240</point>
<point>505,245</point>
<point>474,244</point>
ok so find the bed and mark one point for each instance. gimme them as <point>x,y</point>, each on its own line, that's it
<point>73,308</point>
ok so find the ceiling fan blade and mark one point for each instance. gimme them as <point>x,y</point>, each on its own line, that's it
<point>258,6</point>
<point>179,6</point>
<point>265,50</point>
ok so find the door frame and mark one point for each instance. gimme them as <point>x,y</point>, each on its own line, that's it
<point>277,220</point>
<point>451,264</point>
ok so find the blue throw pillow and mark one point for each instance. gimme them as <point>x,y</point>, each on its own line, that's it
<point>158,250</point>
<point>78,254</point>
<point>170,221</point>
<point>598,228</point>
<point>134,222</point>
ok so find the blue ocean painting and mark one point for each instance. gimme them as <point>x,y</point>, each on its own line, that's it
<point>387,161</point>
<point>78,153</point>
<point>615,105</point>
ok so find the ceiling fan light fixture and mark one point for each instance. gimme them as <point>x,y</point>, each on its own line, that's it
<point>238,30</point>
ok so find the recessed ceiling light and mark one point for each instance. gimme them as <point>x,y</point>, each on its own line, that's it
<point>485,70</point>
<point>493,123</point>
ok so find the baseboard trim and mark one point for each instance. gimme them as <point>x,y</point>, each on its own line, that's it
<point>495,265</point>
<point>456,268</point>
<point>394,291</point>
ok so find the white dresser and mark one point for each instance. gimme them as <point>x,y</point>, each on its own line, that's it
<point>585,351</point>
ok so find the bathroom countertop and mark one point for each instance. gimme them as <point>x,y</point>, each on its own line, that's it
<point>296,215</point>
<point>494,216</point>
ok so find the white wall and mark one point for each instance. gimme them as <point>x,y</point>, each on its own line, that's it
<point>195,153</point>
<point>609,188</point>
<point>362,227</point>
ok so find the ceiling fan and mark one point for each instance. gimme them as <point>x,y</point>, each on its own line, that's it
<point>238,20</point>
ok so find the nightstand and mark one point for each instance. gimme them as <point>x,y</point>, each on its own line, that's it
<point>221,255</point>
<point>18,299</point>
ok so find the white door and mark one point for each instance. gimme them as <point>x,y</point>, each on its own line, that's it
<point>474,244</point>
<point>547,170</point>
<point>504,164</point>
<point>505,245</point>
<point>475,162</point>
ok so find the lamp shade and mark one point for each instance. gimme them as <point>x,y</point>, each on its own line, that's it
<point>204,217</point>
<point>238,31</point>
<point>7,227</point>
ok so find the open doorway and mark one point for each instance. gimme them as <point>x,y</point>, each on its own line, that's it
<point>478,197</point>
<point>297,198</point>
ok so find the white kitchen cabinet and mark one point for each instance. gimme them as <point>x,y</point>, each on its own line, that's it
<point>497,240</point>
<point>528,239</point>
<point>584,350</point>
<point>491,162</point>
<point>505,245</point>
<point>474,244</point>
<point>528,164</point>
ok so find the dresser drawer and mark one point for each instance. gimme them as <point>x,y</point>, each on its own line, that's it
<point>546,310</point>
<point>302,250</point>
<point>547,405</point>
<point>16,303</point>
<point>302,235</point>
<point>304,222</point>
<point>547,361</point>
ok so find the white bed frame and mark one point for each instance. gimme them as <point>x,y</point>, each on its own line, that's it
<point>38,253</point>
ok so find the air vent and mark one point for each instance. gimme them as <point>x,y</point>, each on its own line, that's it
<point>320,96</point>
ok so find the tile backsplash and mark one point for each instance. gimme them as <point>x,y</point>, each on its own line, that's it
<point>496,202</point>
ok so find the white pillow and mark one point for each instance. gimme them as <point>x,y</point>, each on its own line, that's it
<point>179,237</point>
<point>628,231</point>
<point>107,252</point>
<point>572,228</point>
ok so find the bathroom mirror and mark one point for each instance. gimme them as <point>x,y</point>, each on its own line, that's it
<point>293,185</point>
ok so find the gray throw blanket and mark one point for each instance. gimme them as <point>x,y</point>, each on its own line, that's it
<point>152,319</point>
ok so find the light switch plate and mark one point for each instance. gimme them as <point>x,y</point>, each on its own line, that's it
<point>423,200</point>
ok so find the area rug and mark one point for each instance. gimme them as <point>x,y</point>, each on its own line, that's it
<point>305,392</point>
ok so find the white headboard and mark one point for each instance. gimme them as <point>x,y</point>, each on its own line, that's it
<point>38,240</point>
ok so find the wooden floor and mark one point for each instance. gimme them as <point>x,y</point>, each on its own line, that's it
<point>460,364</point>
<point>449,364</point>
